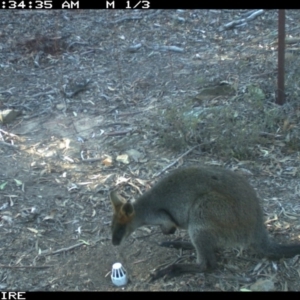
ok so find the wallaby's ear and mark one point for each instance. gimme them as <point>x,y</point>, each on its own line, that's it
<point>124,211</point>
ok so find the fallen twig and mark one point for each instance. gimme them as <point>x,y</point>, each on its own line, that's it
<point>272,135</point>
<point>164,48</point>
<point>7,133</point>
<point>7,91</point>
<point>9,145</point>
<point>172,48</point>
<point>130,113</point>
<point>89,159</point>
<point>126,19</point>
<point>123,132</point>
<point>263,74</point>
<point>45,93</point>
<point>47,252</point>
<point>243,21</point>
<point>27,267</point>
<point>175,161</point>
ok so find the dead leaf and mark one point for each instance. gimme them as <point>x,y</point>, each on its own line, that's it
<point>123,158</point>
<point>51,215</point>
<point>33,230</point>
<point>107,161</point>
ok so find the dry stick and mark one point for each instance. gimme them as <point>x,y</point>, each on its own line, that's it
<point>64,249</point>
<point>126,19</point>
<point>70,248</point>
<point>266,134</point>
<point>9,145</point>
<point>118,123</point>
<point>89,159</point>
<point>118,132</point>
<point>175,161</point>
<point>27,267</point>
<point>130,113</point>
<point>263,74</point>
<point>7,133</point>
<point>45,93</point>
<point>152,275</point>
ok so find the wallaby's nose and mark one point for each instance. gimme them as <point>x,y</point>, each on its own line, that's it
<point>116,241</point>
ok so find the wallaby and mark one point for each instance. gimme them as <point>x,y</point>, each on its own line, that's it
<point>216,206</point>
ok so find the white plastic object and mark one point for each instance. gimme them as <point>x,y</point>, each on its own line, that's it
<point>118,275</point>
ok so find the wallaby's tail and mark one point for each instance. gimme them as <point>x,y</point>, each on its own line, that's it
<point>272,250</point>
<point>277,251</point>
<point>266,247</point>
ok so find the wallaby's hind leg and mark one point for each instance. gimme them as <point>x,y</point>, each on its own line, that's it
<point>204,243</point>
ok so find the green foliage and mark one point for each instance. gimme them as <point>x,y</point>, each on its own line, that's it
<point>236,130</point>
<point>177,128</point>
<point>226,131</point>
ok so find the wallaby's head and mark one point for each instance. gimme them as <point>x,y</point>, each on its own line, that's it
<point>121,225</point>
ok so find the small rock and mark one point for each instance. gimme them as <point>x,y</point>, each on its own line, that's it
<point>60,106</point>
<point>124,158</point>
<point>8,115</point>
<point>263,286</point>
<point>136,155</point>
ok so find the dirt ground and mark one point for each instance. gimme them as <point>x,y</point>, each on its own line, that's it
<point>92,88</point>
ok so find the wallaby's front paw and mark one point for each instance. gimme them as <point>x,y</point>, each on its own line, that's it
<point>168,230</point>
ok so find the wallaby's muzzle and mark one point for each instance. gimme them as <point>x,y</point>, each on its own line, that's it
<point>118,234</point>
